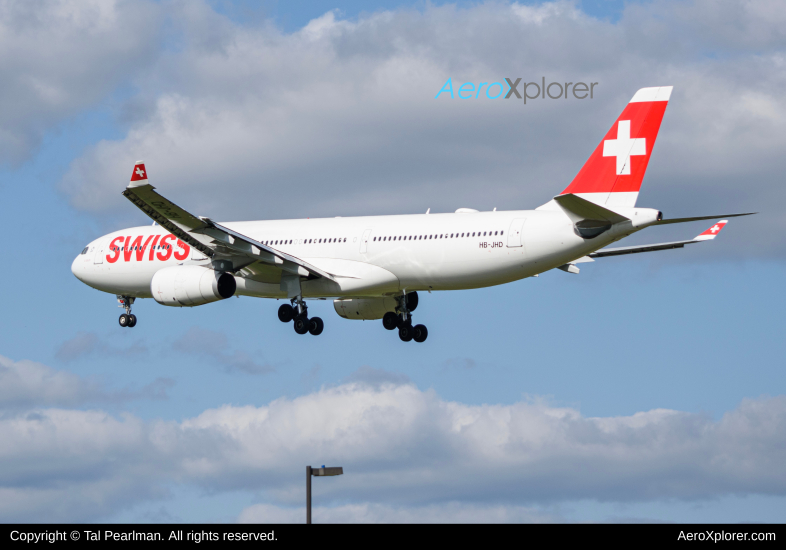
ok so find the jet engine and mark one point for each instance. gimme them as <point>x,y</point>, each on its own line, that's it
<point>364,308</point>
<point>191,285</point>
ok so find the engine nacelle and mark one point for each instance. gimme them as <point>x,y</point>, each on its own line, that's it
<point>191,285</point>
<point>366,309</point>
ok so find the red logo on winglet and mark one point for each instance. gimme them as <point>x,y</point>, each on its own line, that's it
<point>715,229</point>
<point>139,172</point>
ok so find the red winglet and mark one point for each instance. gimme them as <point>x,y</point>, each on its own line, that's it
<point>139,173</point>
<point>713,231</point>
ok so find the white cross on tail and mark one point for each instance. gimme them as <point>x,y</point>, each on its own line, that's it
<point>623,147</point>
<point>140,172</point>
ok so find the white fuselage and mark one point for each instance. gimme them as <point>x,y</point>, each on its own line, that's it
<point>368,256</point>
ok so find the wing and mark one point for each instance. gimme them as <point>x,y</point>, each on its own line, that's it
<point>212,239</point>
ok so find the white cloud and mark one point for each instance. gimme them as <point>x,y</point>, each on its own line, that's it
<point>58,57</point>
<point>341,117</point>
<point>402,450</point>
<point>451,512</point>
<point>26,384</point>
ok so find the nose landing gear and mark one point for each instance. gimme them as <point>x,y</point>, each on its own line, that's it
<point>298,312</point>
<point>127,319</point>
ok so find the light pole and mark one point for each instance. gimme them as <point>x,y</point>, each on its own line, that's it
<point>332,471</point>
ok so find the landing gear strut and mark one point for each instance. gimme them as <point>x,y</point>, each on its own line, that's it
<point>127,319</point>
<point>298,312</point>
<point>403,319</point>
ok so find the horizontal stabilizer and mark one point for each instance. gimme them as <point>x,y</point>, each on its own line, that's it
<point>695,219</point>
<point>579,209</point>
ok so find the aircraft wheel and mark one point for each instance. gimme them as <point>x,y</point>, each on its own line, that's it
<point>124,320</point>
<point>406,332</point>
<point>286,313</point>
<point>390,320</point>
<point>412,301</point>
<point>420,333</point>
<point>132,320</point>
<point>315,326</point>
<point>301,325</point>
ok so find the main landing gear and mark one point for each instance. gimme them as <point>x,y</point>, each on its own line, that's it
<point>402,319</point>
<point>298,312</point>
<point>127,319</point>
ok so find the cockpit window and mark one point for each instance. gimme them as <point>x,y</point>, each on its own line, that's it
<point>85,250</point>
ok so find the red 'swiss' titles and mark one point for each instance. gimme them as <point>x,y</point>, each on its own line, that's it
<point>157,247</point>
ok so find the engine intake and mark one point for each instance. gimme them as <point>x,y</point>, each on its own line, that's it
<point>191,285</point>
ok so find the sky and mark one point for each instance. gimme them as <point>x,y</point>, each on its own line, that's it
<point>645,388</point>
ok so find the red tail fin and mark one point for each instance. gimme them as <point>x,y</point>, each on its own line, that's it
<point>612,175</point>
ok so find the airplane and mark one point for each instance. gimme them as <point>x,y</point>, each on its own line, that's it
<point>373,267</point>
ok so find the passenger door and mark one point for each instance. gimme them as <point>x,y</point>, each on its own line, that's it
<point>99,255</point>
<point>515,232</point>
<point>364,241</point>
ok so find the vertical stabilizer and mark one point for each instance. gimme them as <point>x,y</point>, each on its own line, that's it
<point>612,176</point>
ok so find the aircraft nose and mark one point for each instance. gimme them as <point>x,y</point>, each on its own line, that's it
<point>75,265</point>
